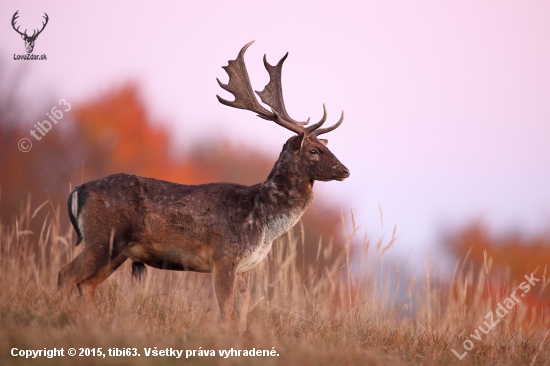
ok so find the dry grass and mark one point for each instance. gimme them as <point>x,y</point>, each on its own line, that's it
<point>362,311</point>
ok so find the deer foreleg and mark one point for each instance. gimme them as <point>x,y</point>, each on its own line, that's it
<point>224,284</point>
<point>241,300</point>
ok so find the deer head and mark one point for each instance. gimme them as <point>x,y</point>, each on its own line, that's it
<point>29,40</point>
<point>305,150</point>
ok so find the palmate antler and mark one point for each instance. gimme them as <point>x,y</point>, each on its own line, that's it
<point>272,95</point>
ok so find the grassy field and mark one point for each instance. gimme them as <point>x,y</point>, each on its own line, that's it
<point>362,311</point>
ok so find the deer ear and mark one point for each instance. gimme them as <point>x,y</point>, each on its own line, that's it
<point>323,141</point>
<point>23,36</point>
<point>295,143</point>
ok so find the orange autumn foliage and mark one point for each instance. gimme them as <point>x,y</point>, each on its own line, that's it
<point>502,263</point>
<point>122,137</point>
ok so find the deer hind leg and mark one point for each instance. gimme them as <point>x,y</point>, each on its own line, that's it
<point>87,265</point>
<point>223,276</point>
<point>87,287</point>
<point>241,300</point>
<point>77,270</point>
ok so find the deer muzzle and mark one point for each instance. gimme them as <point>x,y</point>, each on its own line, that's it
<point>341,172</point>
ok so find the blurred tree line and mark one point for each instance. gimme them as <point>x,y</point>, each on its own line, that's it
<point>115,133</point>
<point>510,253</point>
<point>505,259</point>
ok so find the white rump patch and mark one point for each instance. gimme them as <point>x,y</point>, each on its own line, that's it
<point>81,228</point>
<point>74,204</point>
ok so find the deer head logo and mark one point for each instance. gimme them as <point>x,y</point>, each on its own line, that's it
<point>29,40</point>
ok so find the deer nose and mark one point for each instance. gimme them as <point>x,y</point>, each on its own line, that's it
<point>344,171</point>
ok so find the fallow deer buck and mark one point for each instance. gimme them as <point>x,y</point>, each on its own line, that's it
<point>222,228</point>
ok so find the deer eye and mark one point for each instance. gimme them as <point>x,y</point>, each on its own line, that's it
<point>314,152</point>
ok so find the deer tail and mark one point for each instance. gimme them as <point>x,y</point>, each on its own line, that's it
<point>74,210</point>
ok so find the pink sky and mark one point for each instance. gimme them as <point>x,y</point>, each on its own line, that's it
<point>447,104</point>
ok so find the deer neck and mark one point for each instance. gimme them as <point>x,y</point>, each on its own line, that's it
<point>289,188</point>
